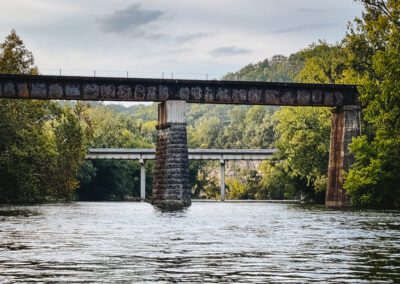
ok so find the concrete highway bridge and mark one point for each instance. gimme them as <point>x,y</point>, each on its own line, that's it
<point>142,155</point>
<point>171,189</point>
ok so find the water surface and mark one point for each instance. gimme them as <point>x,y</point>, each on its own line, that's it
<point>209,242</point>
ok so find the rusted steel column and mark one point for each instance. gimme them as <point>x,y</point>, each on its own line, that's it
<point>171,190</point>
<point>346,124</point>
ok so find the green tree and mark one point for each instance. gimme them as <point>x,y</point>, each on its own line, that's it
<point>302,133</point>
<point>303,141</point>
<point>114,180</point>
<point>259,128</point>
<point>70,145</point>
<point>41,143</point>
<point>277,184</point>
<point>14,57</point>
<point>373,45</point>
<point>323,63</point>
<point>277,69</point>
<point>206,133</point>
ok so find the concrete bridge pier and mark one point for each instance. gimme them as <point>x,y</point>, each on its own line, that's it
<point>222,179</point>
<point>142,180</point>
<point>346,124</point>
<point>171,190</point>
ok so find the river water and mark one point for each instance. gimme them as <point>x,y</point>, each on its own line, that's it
<point>209,242</point>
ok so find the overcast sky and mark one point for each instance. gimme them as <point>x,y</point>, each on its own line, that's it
<point>180,36</point>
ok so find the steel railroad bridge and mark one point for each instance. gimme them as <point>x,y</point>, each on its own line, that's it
<point>171,188</point>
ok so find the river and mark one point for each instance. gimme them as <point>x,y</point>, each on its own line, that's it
<point>209,242</point>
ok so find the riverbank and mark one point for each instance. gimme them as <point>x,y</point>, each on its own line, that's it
<point>249,201</point>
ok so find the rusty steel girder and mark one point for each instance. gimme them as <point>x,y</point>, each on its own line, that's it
<point>191,91</point>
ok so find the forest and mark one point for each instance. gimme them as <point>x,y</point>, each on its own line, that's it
<point>43,143</point>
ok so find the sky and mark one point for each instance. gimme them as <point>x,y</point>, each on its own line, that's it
<point>189,38</point>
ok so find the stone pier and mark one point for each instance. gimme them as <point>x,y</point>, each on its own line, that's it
<point>346,124</point>
<point>171,189</point>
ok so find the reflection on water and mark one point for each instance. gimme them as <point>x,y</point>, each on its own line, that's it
<point>209,242</point>
<point>6,211</point>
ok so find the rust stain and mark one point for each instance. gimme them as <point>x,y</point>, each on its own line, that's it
<point>335,194</point>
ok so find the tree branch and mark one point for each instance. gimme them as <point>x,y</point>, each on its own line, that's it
<point>381,6</point>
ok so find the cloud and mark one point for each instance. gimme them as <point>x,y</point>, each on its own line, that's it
<point>229,51</point>
<point>308,27</point>
<point>309,10</point>
<point>190,36</point>
<point>132,18</point>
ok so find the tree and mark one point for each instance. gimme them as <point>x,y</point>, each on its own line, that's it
<point>277,184</point>
<point>302,133</point>
<point>114,180</point>
<point>373,44</point>
<point>323,63</point>
<point>303,141</point>
<point>41,143</point>
<point>206,133</point>
<point>259,132</point>
<point>14,57</point>
<point>278,69</point>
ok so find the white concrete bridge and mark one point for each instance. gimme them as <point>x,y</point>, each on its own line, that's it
<point>142,155</point>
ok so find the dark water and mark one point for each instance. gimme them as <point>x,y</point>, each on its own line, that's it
<point>210,242</point>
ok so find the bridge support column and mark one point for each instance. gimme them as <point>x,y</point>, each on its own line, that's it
<point>222,180</point>
<point>171,190</point>
<point>346,124</point>
<point>142,180</point>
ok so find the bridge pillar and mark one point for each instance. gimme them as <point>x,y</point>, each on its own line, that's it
<point>142,180</point>
<point>171,190</point>
<point>222,180</point>
<point>346,124</point>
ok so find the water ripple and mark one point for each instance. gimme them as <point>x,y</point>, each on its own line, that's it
<point>209,242</point>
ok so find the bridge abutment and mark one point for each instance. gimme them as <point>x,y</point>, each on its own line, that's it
<point>346,124</point>
<point>171,190</point>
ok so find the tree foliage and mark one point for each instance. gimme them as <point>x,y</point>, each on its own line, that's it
<point>14,57</point>
<point>42,144</point>
<point>113,180</point>
<point>277,69</point>
<point>374,42</point>
<point>303,141</point>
